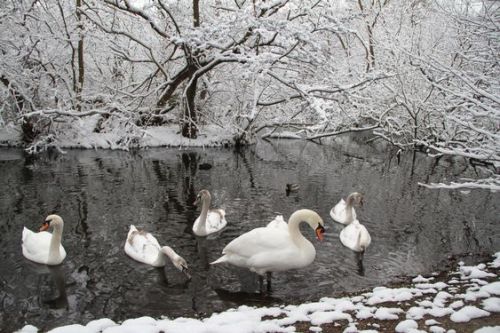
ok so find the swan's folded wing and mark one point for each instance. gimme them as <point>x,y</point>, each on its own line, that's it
<point>258,240</point>
<point>215,220</point>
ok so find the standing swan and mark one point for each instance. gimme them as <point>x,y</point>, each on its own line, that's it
<point>143,247</point>
<point>343,212</point>
<point>273,248</point>
<point>210,220</point>
<point>44,247</point>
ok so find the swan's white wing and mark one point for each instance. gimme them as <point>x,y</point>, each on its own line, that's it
<point>216,220</point>
<point>339,212</point>
<point>278,222</point>
<point>264,249</point>
<point>143,247</point>
<point>355,236</point>
<point>36,246</point>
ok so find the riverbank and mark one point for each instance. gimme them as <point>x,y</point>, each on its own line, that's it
<point>464,299</point>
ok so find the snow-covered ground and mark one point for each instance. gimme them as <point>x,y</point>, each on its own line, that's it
<point>79,134</point>
<point>457,301</point>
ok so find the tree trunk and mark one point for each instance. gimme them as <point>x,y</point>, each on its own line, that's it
<point>189,126</point>
<point>196,13</point>
<point>81,64</point>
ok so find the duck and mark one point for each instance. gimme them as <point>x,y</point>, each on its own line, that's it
<point>210,220</point>
<point>44,247</point>
<point>356,237</point>
<point>344,212</point>
<point>142,246</point>
<point>273,248</point>
<point>291,187</point>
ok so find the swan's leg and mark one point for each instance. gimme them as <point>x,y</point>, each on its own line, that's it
<point>359,260</point>
<point>268,276</point>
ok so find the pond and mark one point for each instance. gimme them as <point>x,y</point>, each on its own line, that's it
<point>414,230</point>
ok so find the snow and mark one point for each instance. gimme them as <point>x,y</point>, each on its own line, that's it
<point>406,325</point>
<point>405,304</point>
<point>467,313</point>
<point>491,304</point>
<point>161,136</point>
<point>488,329</point>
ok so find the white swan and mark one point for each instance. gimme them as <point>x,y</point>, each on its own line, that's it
<point>355,236</point>
<point>210,220</point>
<point>273,248</point>
<point>343,212</point>
<point>44,247</point>
<point>143,247</point>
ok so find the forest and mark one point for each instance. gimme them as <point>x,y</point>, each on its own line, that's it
<point>421,75</point>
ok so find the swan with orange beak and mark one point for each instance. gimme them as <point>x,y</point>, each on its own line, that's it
<point>275,248</point>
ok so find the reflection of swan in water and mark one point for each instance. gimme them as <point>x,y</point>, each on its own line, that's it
<point>61,301</point>
<point>56,279</point>
<point>202,249</point>
<point>246,298</point>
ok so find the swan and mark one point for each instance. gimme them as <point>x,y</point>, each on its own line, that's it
<point>343,212</point>
<point>210,220</point>
<point>143,247</point>
<point>355,236</point>
<point>44,247</point>
<point>273,248</point>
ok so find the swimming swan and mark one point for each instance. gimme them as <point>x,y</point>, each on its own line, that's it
<point>143,247</point>
<point>273,248</point>
<point>343,212</point>
<point>355,236</point>
<point>210,220</point>
<point>44,247</point>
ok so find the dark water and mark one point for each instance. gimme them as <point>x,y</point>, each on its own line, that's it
<point>100,193</point>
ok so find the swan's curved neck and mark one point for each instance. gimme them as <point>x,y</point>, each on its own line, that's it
<point>55,242</point>
<point>169,252</point>
<point>205,205</point>
<point>348,209</point>
<point>293,227</point>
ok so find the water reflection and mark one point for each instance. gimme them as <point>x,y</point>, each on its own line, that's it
<point>100,193</point>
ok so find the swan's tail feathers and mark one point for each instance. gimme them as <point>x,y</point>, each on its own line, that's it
<point>220,260</point>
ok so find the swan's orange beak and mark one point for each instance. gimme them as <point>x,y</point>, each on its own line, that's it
<point>44,226</point>
<point>319,232</point>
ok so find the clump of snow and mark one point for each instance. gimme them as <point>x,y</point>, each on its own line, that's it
<point>384,313</point>
<point>488,329</point>
<point>491,304</point>
<point>430,322</point>
<point>492,288</point>
<point>406,325</point>
<point>383,294</point>
<point>421,279</point>
<point>475,272</point>
<point>467,313</point>
<point>436,329</point>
